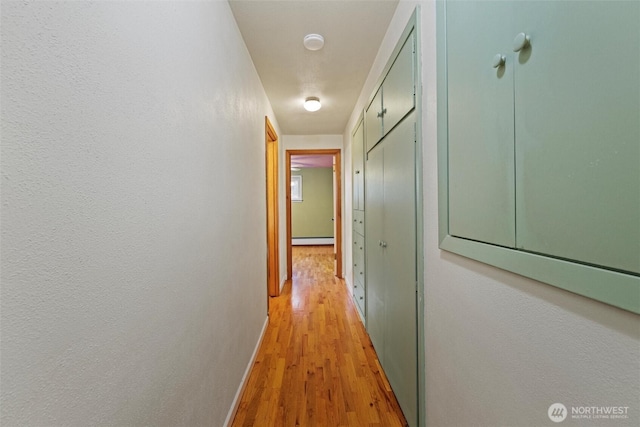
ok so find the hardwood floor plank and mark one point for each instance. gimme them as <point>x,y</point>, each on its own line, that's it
<point>316,365</point>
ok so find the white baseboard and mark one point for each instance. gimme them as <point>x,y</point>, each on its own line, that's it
<point>243,384</point>
<point>313,241</point>
<point>282,284</point>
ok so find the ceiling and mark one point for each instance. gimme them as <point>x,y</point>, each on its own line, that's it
<point>312,161</point>
<point>273,32</point>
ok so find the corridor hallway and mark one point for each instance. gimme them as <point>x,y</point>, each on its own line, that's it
<point>316,365</point>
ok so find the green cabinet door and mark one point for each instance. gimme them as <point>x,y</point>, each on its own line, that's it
<point>373,121</point>
<point>400,353</point>
<point>480,110</point>
<point>358,273</point>
<point>577,119</point>
<point>374,264</point>
<point>357,153</point>
<point>399,87</point>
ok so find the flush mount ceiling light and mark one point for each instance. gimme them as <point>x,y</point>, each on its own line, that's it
<point>313,41</point>
<point>312,103</point>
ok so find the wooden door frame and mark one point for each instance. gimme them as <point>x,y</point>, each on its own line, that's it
<point>273,234</point>
<point>338,207</point>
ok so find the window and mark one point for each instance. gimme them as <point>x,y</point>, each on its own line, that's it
<point>296,188</point>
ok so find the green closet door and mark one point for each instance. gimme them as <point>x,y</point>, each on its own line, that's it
<point>399,359</point>
<point>577,106</point>
<point>358,167</point>
<point>480,103</point>
<point>374,264</point>
<point>399,92</point>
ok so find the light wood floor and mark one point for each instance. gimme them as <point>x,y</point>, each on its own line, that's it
<point>316,365</point>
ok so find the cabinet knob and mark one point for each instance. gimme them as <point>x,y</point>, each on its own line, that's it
<point>355,265</point>
<point>382,113</point>
<point>360,222</point>
<point>520,42</point>
<point>498,60</point>
<point>357,172</point>
<point>384,244</point>
<point>361,297</point>
<point>355,286</point>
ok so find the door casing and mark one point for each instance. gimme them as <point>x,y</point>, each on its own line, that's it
<point>273,250</point>
<point>338,205</point>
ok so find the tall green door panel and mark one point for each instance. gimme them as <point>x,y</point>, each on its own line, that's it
<point>399,88</point>
<point>396,95</point>
<point>374,264</point>
<point>577,104</point>
<point>399,247</point>
<point>481,150</point>
<point>373,121</point>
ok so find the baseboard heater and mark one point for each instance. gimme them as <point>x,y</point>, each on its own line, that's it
<point>302,241</point>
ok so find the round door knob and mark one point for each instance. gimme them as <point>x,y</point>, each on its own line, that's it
<point>520,42</point>
<point>498,60</point>
<point>384,244</point>
<point>357,172</point>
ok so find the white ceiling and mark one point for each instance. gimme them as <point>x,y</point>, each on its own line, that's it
<point>273,32</point>
<point>312,161</point>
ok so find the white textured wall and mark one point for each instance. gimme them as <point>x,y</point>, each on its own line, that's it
<point>133,217</point>
<point>501,348</point>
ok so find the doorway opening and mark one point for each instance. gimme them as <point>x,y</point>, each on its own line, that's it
<point>294,194</point>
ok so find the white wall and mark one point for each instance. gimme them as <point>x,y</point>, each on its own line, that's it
<point>500,348</point>
<point>305,142</point>
<point>132,286</point>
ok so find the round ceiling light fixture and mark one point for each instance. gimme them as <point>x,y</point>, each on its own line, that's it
<point>313,41</point>
<point>312,103</point>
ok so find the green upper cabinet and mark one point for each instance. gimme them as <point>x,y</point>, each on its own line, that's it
<point>395,98</point>
<point>357,153</point>
<point>398,97</point>
<point>546,134</point>
<point>577,120</point>
<point>481,150</point>
<point>373,121</point>
<point>539,140</point>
